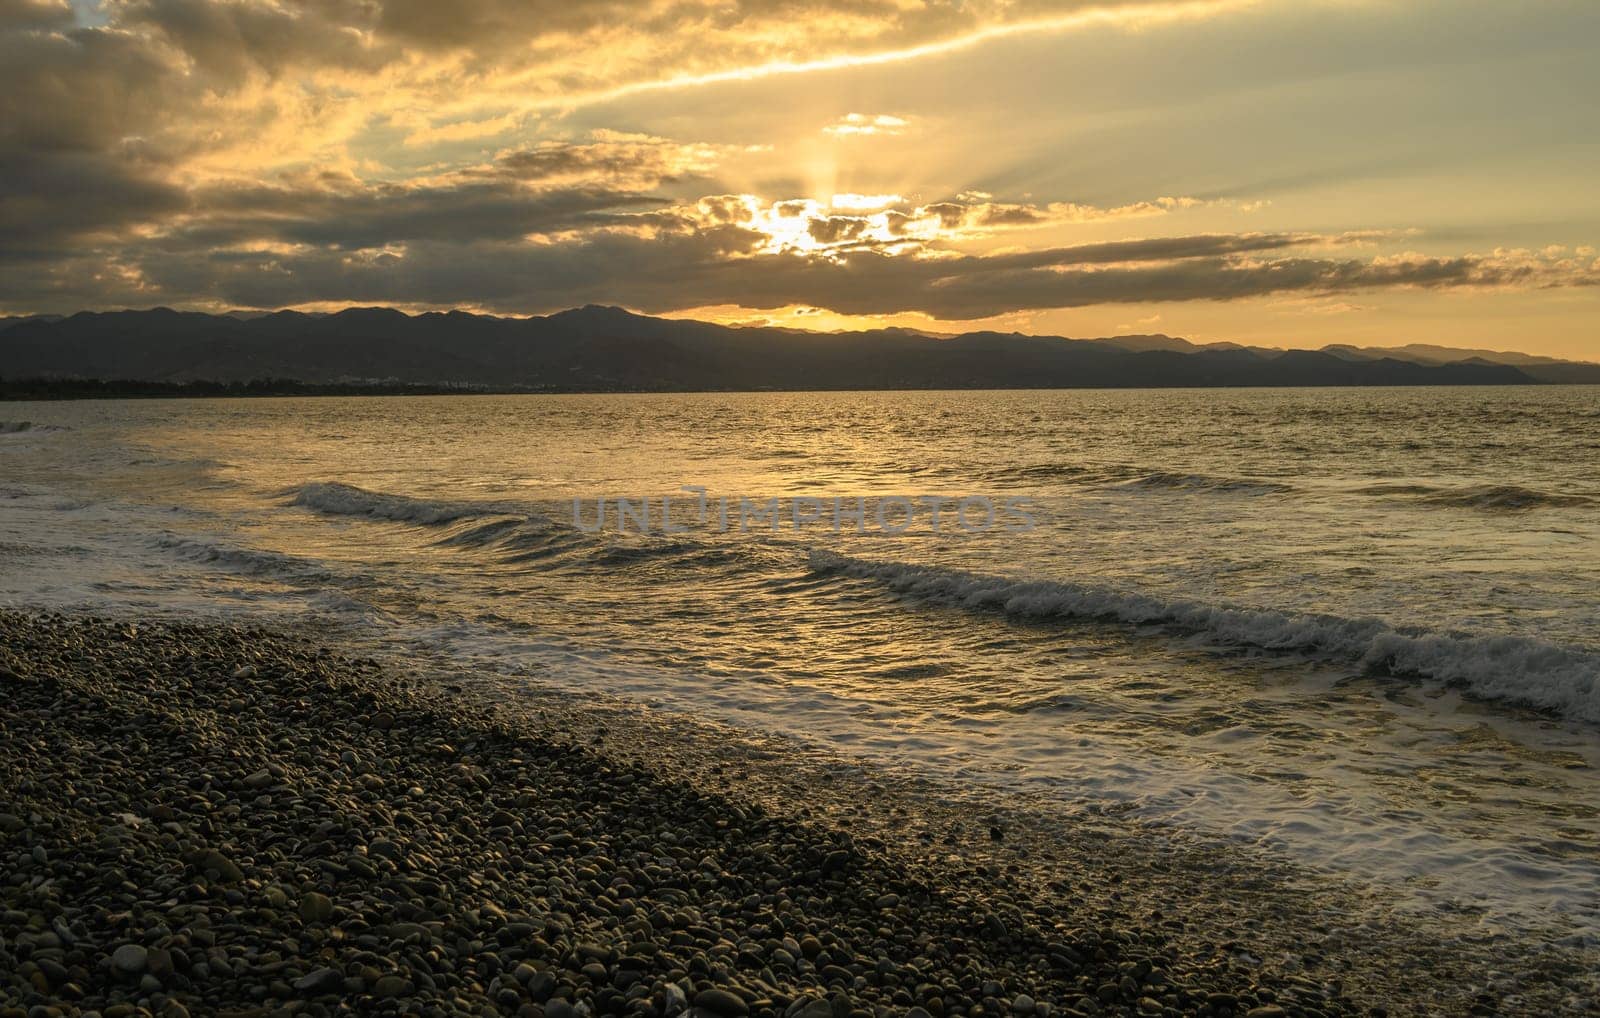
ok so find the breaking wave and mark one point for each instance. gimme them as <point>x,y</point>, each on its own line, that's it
<point>18,427</point>
<point>335,499</point>
<point>1514,669</point>
<point>245,560</point>
<point>511,534</point>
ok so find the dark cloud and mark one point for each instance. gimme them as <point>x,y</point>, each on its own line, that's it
<point>719,266</point>
<point>837,229</point>
<point>54,203</point>
<point>620,160</point>
<point>396,214</point>
<point>81,89</point>
<point>472,23</point>
<point>226,42</point>
<point>83,140</point>
<point>35,15</point>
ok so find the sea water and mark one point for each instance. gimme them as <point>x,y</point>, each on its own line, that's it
<point>1352,627</point>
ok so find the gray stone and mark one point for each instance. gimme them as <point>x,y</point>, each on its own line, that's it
<point>322,981</point>
<point>388,987</point>
<point>225,869</point>
<point>315,907</point>
<point>130,959</point>
<point>383,848</point>
<point>816,1009</point>
<point>722,1002</point>
<point>674,1000</point>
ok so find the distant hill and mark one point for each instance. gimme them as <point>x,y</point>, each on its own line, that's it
<point>6,321</point>
<point>1544,369</point>
<point>1174,344</point>
<point>605,348</point>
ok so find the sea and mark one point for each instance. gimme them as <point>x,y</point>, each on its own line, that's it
<point>1356,629</point>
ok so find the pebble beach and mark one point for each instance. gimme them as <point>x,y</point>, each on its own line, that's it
<point>209,820</point>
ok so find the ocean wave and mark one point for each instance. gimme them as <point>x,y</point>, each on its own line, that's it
<point>1163,480</point>
<point>484,535</point>
<point>1038,472</point>
<point>1392,489</point>
<point>18,427</point>
<point>536,538</point>
<point>516,540</point>
<point>507,533</point>
<point>1514,669</point>
<point>1500,497</point>
<point>335,499</point>
<point>245,560</point>
<point>644,551</point>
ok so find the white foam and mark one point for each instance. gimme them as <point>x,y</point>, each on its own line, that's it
<point>1516,669</point>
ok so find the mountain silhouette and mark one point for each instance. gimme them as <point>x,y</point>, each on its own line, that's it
<point>598,348</point>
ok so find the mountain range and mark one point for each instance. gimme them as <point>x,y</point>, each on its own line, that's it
<point>597,348</point>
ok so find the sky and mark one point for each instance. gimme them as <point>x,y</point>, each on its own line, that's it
<point>1275,172</point>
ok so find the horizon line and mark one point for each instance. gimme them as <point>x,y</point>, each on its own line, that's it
<point>246,314</point>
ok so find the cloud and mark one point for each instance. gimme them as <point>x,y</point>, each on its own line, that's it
<point>35,15</point>
<point>621,160</point>
<point>862,124</point>
<point>63,200</point>
<point>282,152</point>
<point>1147,322</point>
<point>224,85</point>
<point>728,262</point>
<point>887,222</point>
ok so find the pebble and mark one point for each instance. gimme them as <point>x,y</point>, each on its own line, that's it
<point>130,959</point>
<point>388,987</point>
<point>560,1008</point>
<point>316,907</point>
<point>320,981</point>
<point>673,999</point>
<point>722,1002</point>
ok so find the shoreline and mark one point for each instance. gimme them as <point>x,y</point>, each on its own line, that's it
<point>259,824</point>
<point>334,390</point>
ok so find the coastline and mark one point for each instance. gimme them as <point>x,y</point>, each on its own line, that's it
<point>224,819</point>
<point>93,390</point>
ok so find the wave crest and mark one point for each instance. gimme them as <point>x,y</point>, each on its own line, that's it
<point>248,561</point>
<point>1514,669</point>
<point>336,499</point>
<point>1503,497</point>
<point>18,427</point>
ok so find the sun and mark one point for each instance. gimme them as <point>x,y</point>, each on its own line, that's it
<point>831,227</point>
